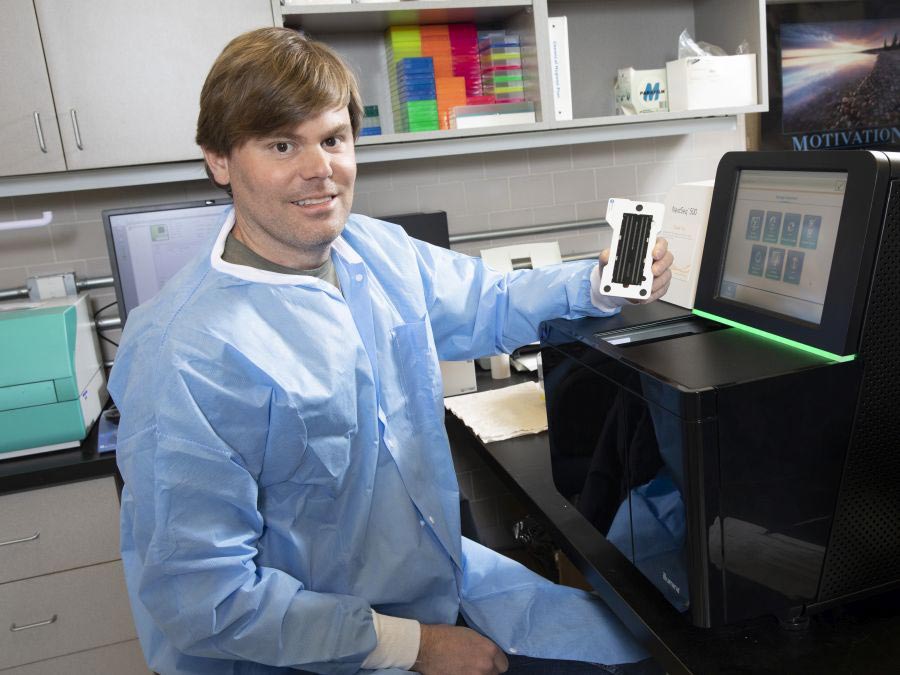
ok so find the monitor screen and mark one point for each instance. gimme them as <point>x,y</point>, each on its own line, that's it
<point>781,241</point>
<point>431,228</point>
<point>149,245</point>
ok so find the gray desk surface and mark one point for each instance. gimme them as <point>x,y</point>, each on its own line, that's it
<point>862,638</point>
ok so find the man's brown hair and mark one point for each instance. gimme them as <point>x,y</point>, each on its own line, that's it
<point>269,80</point>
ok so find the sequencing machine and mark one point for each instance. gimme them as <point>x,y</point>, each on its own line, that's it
<point>745,456</point>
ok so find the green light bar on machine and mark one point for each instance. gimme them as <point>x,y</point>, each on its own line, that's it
<point>775,338</point>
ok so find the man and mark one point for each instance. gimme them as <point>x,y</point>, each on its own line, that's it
<point>290,501</point>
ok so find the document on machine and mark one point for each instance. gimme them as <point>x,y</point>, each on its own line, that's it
<point>684,227</point>
<point>498,414</point>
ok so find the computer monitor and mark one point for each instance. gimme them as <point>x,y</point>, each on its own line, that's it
<point>148,245</point>
<point>431,228</point>
<point>791,244</point>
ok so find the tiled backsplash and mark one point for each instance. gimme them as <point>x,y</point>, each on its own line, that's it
<point>480,193</point>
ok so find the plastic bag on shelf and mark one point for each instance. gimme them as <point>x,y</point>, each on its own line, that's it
<point>688,47</point>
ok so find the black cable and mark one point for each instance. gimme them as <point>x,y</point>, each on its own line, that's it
<point>100,333</point>
<point>103,337</point>
<point>105,307</point>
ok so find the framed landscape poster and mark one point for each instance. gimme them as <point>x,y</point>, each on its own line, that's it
<point>834,76</point>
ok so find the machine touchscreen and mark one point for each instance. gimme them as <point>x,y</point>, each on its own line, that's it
<point>781,241</point>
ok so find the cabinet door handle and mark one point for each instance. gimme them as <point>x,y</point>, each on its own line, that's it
<point>15,629</point>
<point>20,541</point>
<point>40,132</point>
<point>74,115</point>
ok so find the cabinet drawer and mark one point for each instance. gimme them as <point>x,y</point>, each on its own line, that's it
<point>58,528</point>
<point>124,658</point>
<point>62,613</point>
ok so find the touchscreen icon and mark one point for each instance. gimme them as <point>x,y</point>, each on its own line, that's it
<point>754,224</point>
<point>809,234</point>
<point>793,268</point>
<point>791,229</point>
<point>775,264</point>
<point>773,227</point>
<point>757,260</point>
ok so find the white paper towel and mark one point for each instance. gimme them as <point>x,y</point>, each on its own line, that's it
<point>497,414</point>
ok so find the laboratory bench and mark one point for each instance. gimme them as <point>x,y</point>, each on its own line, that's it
<point>55,468</point>
<point>68,579</point>
<point>63,603</point>
<point>860,637</point>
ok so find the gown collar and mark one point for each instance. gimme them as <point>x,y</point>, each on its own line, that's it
<point>339,246</point>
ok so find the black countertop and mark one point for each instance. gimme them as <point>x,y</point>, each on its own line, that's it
<point>859,638</point>
<point>54,468</point>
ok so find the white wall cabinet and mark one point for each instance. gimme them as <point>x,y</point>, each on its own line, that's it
<point>125,77</point>
<point>29,136</point>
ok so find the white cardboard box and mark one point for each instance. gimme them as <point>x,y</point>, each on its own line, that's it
<point>641,91</point>
<point>684,227</point>
<point>711,82</point>
<point>458,377</point>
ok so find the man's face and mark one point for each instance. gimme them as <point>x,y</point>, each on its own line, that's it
<point>292,191</point>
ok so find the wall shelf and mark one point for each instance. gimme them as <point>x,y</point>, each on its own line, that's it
<point>603,37</point>
<point>95,179</point>
<point>378,16</point>
<point>385,152</point>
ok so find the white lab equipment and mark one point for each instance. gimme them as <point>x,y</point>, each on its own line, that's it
<point>518,256</point>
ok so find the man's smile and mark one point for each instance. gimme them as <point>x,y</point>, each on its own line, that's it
<point>314,201</point>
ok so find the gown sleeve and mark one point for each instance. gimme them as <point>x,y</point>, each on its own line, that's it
<point>476,311</point>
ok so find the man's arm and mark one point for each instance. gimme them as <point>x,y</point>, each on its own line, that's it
<point>475,310</point>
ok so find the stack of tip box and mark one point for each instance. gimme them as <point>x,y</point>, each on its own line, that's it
<point>432,69</point>
<point>501,66</point>
<point>413,95</point>
<point>371,124</point>
<point>464,50</point>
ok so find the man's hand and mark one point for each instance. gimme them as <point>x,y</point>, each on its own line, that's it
<point>662,276</point>
<point>454,650</point>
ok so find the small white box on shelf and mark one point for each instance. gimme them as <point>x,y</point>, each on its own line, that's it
<point>641,91</point>
<point>699,82</point>
<point>491,115</point>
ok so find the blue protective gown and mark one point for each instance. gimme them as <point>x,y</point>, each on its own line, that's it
<point>287,468</point>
